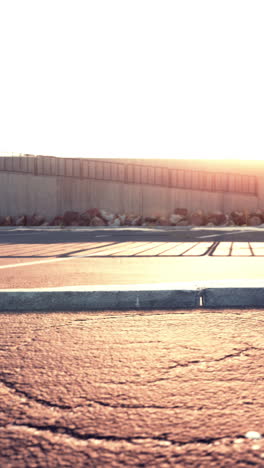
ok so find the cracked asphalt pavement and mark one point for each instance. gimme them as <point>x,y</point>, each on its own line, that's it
<point>132,389</point>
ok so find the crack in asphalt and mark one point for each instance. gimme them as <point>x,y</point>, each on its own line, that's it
<point>12,386</point>
<point>125,405</point>
<point>188,364</point>
<point>223,358</point>
<point>184,365</point>
<point>76,436</point>
<point>135,313</point>
<point>91,403</point>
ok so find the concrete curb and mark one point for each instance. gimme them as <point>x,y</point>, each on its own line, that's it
<point>190,227</point>
<point>164,296</point>
<point>232,294</point>
<point>215,298</point>
<point>95,228</point>
<point>97,300</point>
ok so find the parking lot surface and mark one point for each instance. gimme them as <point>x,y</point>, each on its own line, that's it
<point>57,258</point>
<point>132,389</point>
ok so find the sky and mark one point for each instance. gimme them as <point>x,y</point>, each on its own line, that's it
<point>132,78</point>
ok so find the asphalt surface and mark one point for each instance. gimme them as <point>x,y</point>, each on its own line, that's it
<point>39,258</point>
<point>162,234</point>
<point>132,389</point>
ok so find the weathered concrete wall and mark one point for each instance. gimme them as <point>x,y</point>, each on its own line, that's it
<point>25,193</point>
<point>51,186</point>
<point>28,194</point>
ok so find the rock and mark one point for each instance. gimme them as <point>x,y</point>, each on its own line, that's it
<point>162,221</point>
<point>85,218</point>
<point>137,221</point>
<point>116,222</point>
<point>238,217</point>
<point>96,221</point>
<point>181,211</point>
<point>57,221</point>
<point>227,217</point>
<point>217,218</point>
<point>175,219</point>
<point>8,221</point>
<point>21,221</point>
<point>151,224</point>
<point>122,219</point>
<point>81,222</point>
<point>30,220</point>
<point>107,217</point>
<point>150,219</point>
<point>198,218</point>
<point>35,220</point>
<point>184,222</point>
<point>133,220</point>
<point>70,217</point>
<point>94,212</point>
<point>75,223</point>
<point>258,212</point>
<point>253,435</point>
<point>254,221</point>
<point>210,224</point>
<point>230,223</point>
<point>129,218</point>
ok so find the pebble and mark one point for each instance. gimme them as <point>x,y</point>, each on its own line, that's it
<point>253,435</point>
<point>255,447</point>
<point>238,441</point>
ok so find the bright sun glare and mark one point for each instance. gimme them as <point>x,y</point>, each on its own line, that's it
<point>144,79</point>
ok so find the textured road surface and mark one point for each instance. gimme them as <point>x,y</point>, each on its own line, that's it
<point>132,389</point>
<point>162,234</point>
<point>55,258</point>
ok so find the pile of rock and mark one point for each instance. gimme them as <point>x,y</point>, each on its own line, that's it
<point>23,220</point>
<point>96,217</point>
<point>101,217</point>
<point>198,218</point>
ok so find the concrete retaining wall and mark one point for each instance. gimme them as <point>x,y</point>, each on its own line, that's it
<point>51,186</point>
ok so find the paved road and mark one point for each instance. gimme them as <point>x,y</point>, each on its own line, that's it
<point>132,389</point>
<point>161,234</point>
<point>58,258</point>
